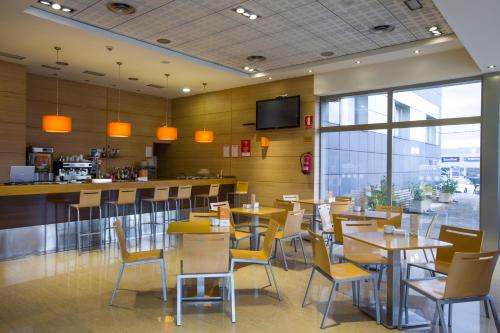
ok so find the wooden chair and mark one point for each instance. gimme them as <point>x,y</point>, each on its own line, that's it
<point>337,274</point>
<point>201,216</point>
<point>161,195</point>
<point>205,256</point>
<point>291,197</point>
<point>260,257</point>
<point>343,198</point>
<point>396,221</point>
<point>183,193</point>
<point>137,258</point>
<point>126,199</point>
<point>88,199</point>
<point>241,190</point>
<point>290,232</point>
<point>236,235</point>
<point>361,253</point>
<point>469,280</point>
<point>213,192</point>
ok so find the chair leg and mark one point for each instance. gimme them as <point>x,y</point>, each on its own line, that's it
<point>494,312</point>
<point>450,314</point>
<point>268,277</point>
<point>179,300</point>
<point>303,251</point>
<point>117,284</point>
<point>425,255</point>
<point>444,327</point>
<point>377,301</point>
<point>274,280</point>
<point>233,299</point>
<point>163,280</point>
<point>358,292</point>
<point>283,254</point>
<point>354,292</point>
<point>331,251</point>
<point>308,287</point>
<point>380,273</point>
<point>486,309</point>
<point>328,305</point>
<point>433,256</point>
<point>78,231</point>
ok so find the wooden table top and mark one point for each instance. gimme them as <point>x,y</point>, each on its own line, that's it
<point>198,227</point>
<point>370,214</point>
<point>318,202</point>
<point>261,211</point>
<point>13,190</point>
<point>391,242</point>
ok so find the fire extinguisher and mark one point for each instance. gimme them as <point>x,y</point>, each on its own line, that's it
<point>306,163</point>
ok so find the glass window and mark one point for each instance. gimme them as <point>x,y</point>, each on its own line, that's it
<point>455,100</point>
<point>354,110</point>
<point>354,163</point>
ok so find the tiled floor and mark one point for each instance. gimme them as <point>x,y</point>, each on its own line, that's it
<point>64,292</point>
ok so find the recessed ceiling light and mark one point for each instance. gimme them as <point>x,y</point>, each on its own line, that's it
<point>46,3</point>
<point>252,17</point>
<point>133,78</point>
<point>120,8</point>
<point>256,58</point>
<point>358,62</point>
<point>327,53</point>
<point>269,78</point>
<point>67,10</point>
<point>186,90</point>
<point>246,13</point>
<point>251,70</point>
<point>433,28</point>
<point>246,68</point>
<point>163,41</point>
<point>416,51</point>
<point>310,71</point>
<point>56,6</point>
<point>491,66</point>
<point>413,4</point>
<point>240,10</point>
<point>382,28</point>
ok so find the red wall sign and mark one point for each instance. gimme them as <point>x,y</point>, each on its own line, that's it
<point>308,121</point>
<point>245,148</point>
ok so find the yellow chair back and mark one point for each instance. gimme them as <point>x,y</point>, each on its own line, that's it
<point>343,198</point>
<point>470,274</point>
<point>337,228</point>
<point>267,246</point>
<point>293,223</point>
<point>352,246</point>
<point>290,197</point>
<point>396,221</point>
<point>184,192</point>
<point>463,240</point>
<point>161,193</point>
<point>337,207</point>
<point>205,253</point>
<point>241,187</point>
<point>126,196</point>
<point>120,234</point>
<point>90,198</point>
<point>214,190</point>
<point>320,253</point>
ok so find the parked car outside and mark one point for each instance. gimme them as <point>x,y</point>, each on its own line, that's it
<point>464,185</point>
<point>477,190</point>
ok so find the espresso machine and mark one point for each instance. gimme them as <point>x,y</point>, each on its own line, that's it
<point>75,171</point>
<point>41,159</point>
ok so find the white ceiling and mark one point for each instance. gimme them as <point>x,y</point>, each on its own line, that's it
<point>83,46</point>
<point>288,32</point>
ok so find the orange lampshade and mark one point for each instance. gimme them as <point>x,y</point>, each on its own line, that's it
<point>204,136</point>
<point>264,141</point>
<point>166,133</point>
<point>119,129</point>
<point>56,124</point>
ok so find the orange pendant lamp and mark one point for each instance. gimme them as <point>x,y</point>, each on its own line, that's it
<point>166,133</point>
<point>56,123</point>
<point>204,136</point>
<point>119,129</point>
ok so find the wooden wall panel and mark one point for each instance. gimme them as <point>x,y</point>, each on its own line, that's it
<point>91,107</point>
<point>12,117</point>
<point>272,172</point>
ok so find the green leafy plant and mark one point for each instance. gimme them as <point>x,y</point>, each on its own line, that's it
<point>378,195</point>
<point>417,192</point>
<point>448,185</point>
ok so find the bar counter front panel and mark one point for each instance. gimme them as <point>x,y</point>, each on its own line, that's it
<point>30,214</point>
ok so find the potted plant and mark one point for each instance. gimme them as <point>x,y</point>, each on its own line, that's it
<point>420,204</point>
<point>447,188</point>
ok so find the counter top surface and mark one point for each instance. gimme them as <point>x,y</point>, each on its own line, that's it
<point>34,189</point>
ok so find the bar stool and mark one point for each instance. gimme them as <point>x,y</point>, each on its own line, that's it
<point>88,199</point>
<point>213,192</point>
<point>183,193</point>
<point>126,198</point>
<point>161,195</point>
<point>241,190</point>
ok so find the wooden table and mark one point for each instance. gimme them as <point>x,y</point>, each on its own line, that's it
<point>394,245</point>
<point>315,203</point>
<point>198,227</point>
<point>256,214</point>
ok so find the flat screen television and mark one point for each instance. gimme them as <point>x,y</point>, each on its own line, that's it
<point>282,112</point>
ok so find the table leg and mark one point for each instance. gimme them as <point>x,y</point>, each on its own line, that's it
<point>393,288</point>
<point>254,229</point>
<point>200,287</point>
<point>314,225</point>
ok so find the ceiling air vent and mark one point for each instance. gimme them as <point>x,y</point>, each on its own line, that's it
<point>93,73</point>
<point>382,28</point>
<point>413,4</point>
<point>51,67</point>
<point>120,8</point>
<point>154,86</point>
<point>11,56</point>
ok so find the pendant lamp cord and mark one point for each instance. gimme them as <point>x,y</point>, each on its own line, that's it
<point>166,100</point>
<point>205,106</point>
<point>119,89</point>
<point>57,48</point>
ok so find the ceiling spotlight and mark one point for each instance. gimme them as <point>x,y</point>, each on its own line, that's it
<point>252,17</point>
<point>56,6</point>
<point>67,10</point>
<point>416,51</point>
<point>491,66</point>
<point>433,28</point>
<point>246,68</point>
<point>310,71</point>
<point>120,8</point>
<point>163,41</point>
<point>269,78</point>
<point>246,13</point>
<point>251,70</point>
<point>413,4</point>
<point>186,90</point>
<point>240,10</point>
<point>358,62</point>
<point>46,3</point>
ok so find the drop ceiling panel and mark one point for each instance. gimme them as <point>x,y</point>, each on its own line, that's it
<point>287,32</point>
